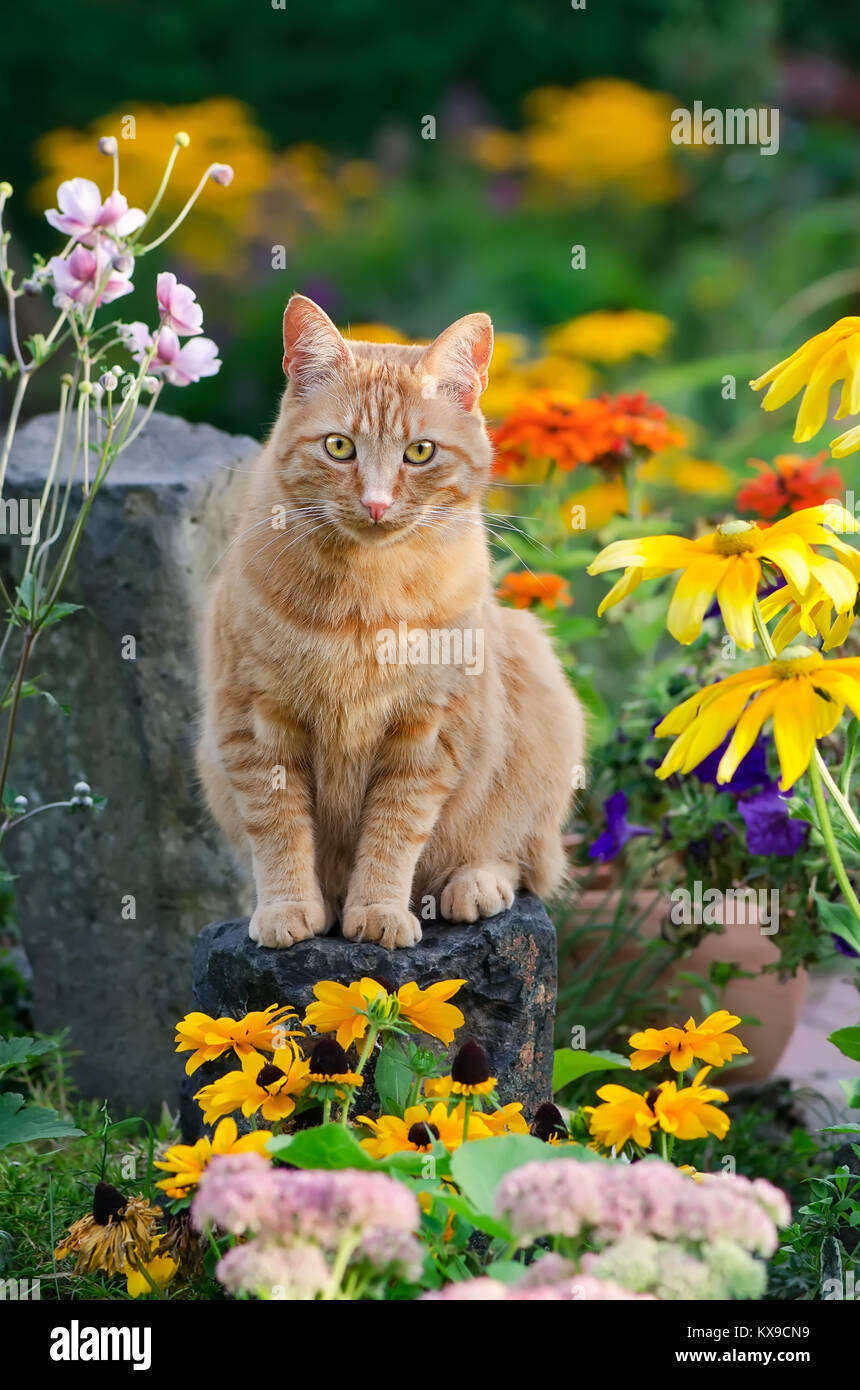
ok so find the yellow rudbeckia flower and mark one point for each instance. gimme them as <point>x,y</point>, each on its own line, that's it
<point>428,1011</point>
<point>209,1038</point>
<point>259,1084</point>
<point>160,1269</point>
<point>688,1113</point>
<point>709,1041</point>
<point>812,613</point>
<point>342,1009</point>
<point>420,1128</point>
<point>728,563</point>
<point>187,1162</point>
<point>346,1009</point>
<point>818,364</point>
<point>803,694</point>
<point>624,1115</point>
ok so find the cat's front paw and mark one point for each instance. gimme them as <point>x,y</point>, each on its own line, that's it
<point>474,893</point>
<point>389,924</point>
<point>282,923</point>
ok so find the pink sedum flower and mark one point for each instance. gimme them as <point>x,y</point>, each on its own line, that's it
<point>178,304</point>
<point>180,364</point>
<point>88,274</point>
<point>83,215</point>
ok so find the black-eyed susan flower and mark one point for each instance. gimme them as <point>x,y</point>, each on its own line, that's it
<point>710,1041</point>
<point>508,1119</point>
<point>428,1010</point>
<point>811,613</point>
<point>470,1071</point>
<point>209,1038</point>
<point>803,694</point>
<point>186,1163</point>
<point>728,563</point>
<point>116,1230</point>
<point>689,1113</point>
<point>624,1115</point>
<point>817,365</point>
<point>420,1128</point>
<point>349,1010</point>
<point>328,1065</point>
<point>548,1124</point>
<point>269,1086</point>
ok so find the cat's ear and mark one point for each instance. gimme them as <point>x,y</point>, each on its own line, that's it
<point>314,351</point>
<point>459,359</point>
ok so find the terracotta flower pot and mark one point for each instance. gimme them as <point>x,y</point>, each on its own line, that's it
<point>775,1002</point>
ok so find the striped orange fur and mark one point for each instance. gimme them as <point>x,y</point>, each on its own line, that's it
<point>378,792</point>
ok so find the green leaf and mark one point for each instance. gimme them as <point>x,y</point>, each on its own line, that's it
<point>21,1123</point>
<point>393,1077</point>
<point>851,1091</point>
<point>569,1064</point>
<point>481,1220</point>
<point>57,612</point>
<point>326,1146</point>
<point>478,1168</point>
<point>841,1129</point>
<point>840,920</point>
<point>848,1042</point>
<point>14,1052</point>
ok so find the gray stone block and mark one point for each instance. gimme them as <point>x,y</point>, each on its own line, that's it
<point>118,985</point>
<point>508,963</point>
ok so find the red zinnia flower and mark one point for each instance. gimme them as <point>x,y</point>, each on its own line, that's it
<point>605,432</point>
<point>789,484</point>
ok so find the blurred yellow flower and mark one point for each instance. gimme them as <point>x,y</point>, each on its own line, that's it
<point>359,178</point>
<point>512,377</point>
<point>497,150</point>
<point>610,335</point>
<point>373,333</point>
<point>221,130</point>
<point>695,476</point>
<point>592,507</point>
<point>600,134</point>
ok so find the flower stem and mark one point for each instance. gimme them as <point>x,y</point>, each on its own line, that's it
<point>826,828</point>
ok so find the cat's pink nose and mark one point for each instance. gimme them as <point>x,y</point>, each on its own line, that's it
<point>377,506</point>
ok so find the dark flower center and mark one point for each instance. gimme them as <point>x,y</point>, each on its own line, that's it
<point>549,1123</point>
<point>108,1204</point>
<point>651,1097</point>
<point>268,1075</point>
<point>328,1058</point>
<point>471,1066</point>
<point>422,1134</point>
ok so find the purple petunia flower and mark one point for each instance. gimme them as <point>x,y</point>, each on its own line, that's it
<point>618,829</point>
<point>750,772</point>
<point>770,829</point>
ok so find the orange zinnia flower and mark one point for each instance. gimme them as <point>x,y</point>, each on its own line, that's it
<point>605,432</point>
<point>524,588</point>
<point>789,484</point>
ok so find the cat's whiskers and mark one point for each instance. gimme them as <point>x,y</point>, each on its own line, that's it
<point>267,520</point>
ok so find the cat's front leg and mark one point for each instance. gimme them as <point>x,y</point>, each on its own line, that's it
<point>268,770</point>
<point>407,793</point>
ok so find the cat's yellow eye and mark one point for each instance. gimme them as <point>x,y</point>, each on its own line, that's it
<point>339,447</point>
<point>421,451</point>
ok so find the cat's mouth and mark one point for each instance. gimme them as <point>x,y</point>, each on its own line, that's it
<point>378,532</point>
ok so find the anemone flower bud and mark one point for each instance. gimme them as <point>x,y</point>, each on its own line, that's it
<point>182,138</point>
<point>82,788</point>
<point>86,388</point>
<point>6,189</point>
<point>108,382</point>
<point>63,302</point>
<point>108,145</point>
<point>21,803</point>
<point>149,385</point>
<point>31,287</point>
<point>123,264</point>
<point>221,173</point>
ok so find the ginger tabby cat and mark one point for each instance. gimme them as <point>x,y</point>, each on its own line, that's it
<point>363,781</point>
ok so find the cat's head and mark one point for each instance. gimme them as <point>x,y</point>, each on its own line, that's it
<point>382,437</point>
